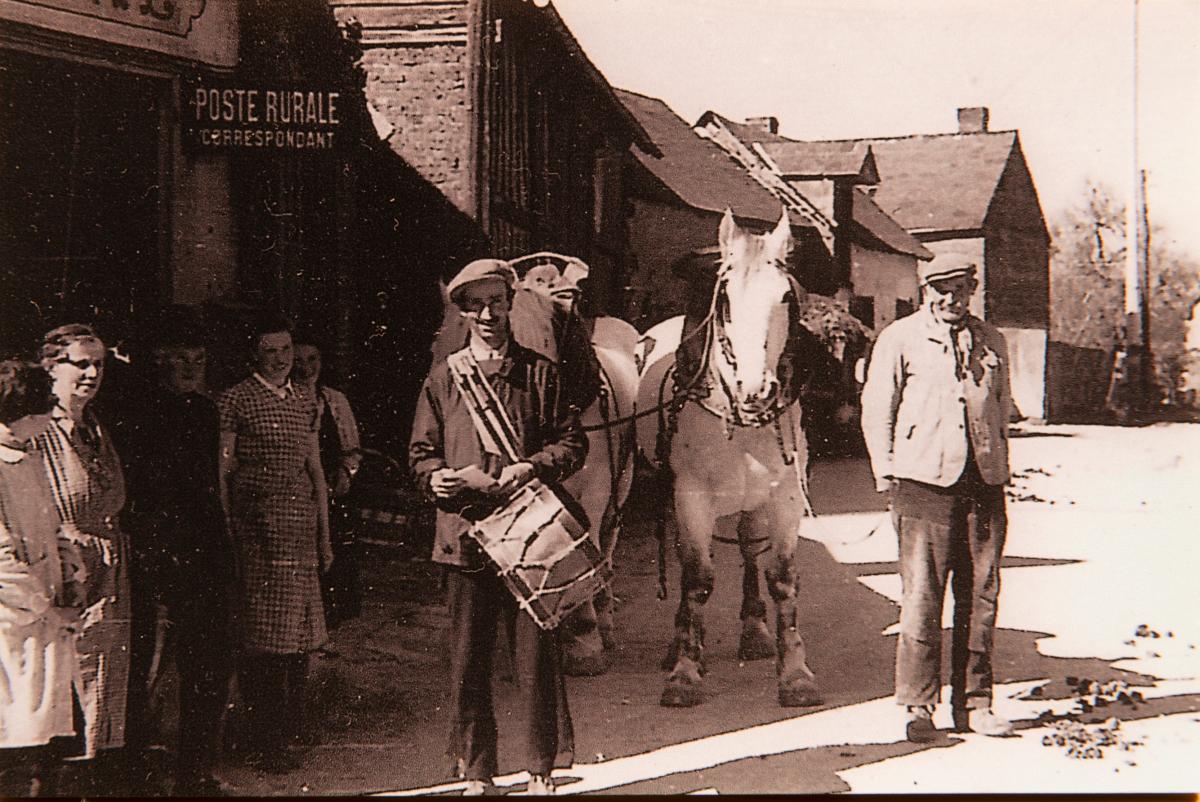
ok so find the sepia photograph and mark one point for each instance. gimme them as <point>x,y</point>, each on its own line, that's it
<point>631,397</point>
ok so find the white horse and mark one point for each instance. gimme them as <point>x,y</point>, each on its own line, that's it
<point>737,451</point>
<point>602,485</point>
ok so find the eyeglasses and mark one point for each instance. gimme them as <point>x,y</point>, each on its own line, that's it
<point>81,364</point>
<point>475,307</point>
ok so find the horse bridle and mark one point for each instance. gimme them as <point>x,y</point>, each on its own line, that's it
<point>769,414</point>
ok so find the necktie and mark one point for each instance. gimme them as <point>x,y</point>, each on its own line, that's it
<point>963,342</point>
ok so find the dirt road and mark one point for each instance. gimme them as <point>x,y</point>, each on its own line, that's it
<point>1101,542</point>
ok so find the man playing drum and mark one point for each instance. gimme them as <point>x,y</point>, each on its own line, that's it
<point>453,463</point>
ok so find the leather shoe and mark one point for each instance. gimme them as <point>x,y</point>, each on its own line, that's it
<point>919,726</point>
<point>478,788</point>
<point>983,721</point>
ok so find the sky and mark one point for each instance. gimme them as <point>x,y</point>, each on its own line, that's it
<point>1062,73</point>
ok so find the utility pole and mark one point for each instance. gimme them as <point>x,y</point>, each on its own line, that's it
<point>1148,383</point>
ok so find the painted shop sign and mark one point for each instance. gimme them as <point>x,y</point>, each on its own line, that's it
<point>197,30</point>
<point>275,118</point>
<point>169,16</point>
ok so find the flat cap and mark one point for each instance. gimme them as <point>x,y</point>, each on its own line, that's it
<point>480,270</point>
<point>942,269</point>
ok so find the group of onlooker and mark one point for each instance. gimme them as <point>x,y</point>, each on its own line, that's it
<point>165,524</point>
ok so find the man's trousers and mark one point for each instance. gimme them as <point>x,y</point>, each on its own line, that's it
<point>957,531</point>
<point>478,601</point>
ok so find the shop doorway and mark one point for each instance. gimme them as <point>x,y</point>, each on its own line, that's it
<point>81,223</point>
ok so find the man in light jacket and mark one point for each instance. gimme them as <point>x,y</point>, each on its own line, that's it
<point>935,411</point>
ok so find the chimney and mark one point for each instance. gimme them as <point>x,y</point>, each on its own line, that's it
<point>768,125</point>
<point>973,120</point>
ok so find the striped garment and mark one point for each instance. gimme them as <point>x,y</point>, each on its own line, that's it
<point>274,526</point>
<point>89,492</point>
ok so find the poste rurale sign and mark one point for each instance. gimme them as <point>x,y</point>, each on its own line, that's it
<point>258,117</point>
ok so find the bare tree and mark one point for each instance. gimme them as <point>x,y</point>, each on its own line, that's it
<point>1087,286</point>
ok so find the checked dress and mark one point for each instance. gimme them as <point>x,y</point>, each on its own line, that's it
<point>89,491</point>
<point>274,517</point>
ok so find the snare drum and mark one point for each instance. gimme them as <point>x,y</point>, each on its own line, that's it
<point>543,553</point>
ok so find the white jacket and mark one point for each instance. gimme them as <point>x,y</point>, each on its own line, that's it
<point>916,413</point>
<point>37,653</point>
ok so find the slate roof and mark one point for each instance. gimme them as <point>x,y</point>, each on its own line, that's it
<point>743,131</point>
<point>819,159</point>
<point>937,182</point>
<point>698,172</point>
<point>882,227</point>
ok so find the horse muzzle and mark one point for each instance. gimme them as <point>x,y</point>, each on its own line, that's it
<point>759,408</point>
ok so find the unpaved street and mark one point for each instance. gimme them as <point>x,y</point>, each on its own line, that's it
<point>1098,584</point>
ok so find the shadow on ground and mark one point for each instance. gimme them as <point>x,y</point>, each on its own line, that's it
<point>379,703</point>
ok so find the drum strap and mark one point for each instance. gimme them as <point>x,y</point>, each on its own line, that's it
<point>496,431</point>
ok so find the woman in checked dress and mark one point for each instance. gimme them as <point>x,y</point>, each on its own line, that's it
<point>88,489</point>
<point>274,494</point>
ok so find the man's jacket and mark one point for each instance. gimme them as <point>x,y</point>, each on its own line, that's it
<point>917,411</point>
<point>444,436</point>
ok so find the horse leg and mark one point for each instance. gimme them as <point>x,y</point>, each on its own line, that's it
<point>797,684</point>
<point>695,519</point>
<point>755,643</point>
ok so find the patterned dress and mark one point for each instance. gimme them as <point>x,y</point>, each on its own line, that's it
<point>274,517</point>
<point>89,492</point>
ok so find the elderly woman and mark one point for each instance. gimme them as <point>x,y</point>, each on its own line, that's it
<point>38,611</point>
<point>88,491</point>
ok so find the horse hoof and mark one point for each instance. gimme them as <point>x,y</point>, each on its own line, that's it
<point>678,694</point>
<point>803,695</point>
<point>756,643</point>
<point>591,665</point>
<point>609,642</point>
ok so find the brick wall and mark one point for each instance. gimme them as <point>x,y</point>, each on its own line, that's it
<point>416,62</point>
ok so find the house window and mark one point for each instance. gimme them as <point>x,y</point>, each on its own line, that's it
<point>904,307</point>
<point>863,308</point>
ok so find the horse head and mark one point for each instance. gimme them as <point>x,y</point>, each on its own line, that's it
<point>554,276</point>
<point>751,316</point>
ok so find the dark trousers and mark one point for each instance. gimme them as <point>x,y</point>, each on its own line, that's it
<point>956,532</point>
<point>198,637</point>
<point>273,688</point>
<point>477,601</point>
<point>199,633</point>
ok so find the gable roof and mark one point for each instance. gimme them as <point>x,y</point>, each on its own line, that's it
<point>927,182</point>
<point>743,131</point>
<point>867,214</point>
<point>938,182</point>
<point>806,160</point>
<point>695,170</point>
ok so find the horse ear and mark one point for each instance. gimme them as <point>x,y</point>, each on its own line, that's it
<point>728,232</point>
<point>781,237</point>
